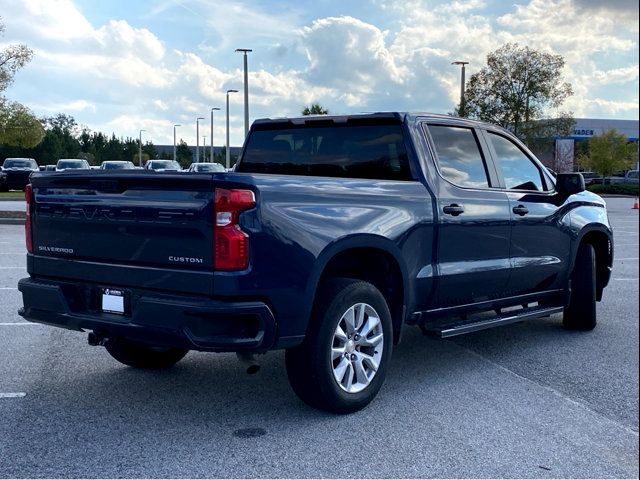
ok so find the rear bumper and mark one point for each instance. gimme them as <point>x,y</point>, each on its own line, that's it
<point>194,323</point>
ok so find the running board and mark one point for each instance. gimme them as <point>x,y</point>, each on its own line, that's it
<point>446,330</point>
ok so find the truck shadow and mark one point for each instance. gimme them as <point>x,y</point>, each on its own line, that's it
<point>213,389</point>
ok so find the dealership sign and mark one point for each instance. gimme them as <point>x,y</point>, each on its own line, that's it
<point>583,132</point>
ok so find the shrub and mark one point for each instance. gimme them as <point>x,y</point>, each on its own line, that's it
<point>615,189</point>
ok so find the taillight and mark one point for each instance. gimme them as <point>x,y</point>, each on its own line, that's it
<point>231,244</point>
<point>27,221</point>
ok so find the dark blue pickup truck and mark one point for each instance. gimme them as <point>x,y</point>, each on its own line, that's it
<point>330,235</point>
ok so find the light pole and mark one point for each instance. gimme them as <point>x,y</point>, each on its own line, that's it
<point>228,159</point>
<point>211,136</point>
<point>246,90</point>
<point>140,149</point>
<point>174,140</point>
<point>462,112</point>
<point>204,147</point>
<point>198,138</point>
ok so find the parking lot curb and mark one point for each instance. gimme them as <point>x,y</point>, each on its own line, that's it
<point>11,221</point>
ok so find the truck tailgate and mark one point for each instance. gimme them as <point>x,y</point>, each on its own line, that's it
<point>134,218</point>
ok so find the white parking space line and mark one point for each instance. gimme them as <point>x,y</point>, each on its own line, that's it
<point>626,244</point>
<point>8,288</point>
<point>13,395</point>
<point>11,324</point>
<point>13,268</point>
<point>626,279</point>
<point>632,258</point>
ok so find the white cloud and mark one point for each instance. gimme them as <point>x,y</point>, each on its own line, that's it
<point>616,75</point>
<point>347,52</point>
<point>400,59</point>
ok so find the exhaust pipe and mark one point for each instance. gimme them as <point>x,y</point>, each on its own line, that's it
<point>95,339</point>
<point>249,362</point>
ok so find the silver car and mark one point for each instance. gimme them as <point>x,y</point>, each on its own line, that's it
<point>206,167</point>
<point>72,164</point>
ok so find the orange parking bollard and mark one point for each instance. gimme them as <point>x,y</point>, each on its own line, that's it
<point>635,205</point>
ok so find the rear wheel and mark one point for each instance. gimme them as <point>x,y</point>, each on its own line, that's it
<point>342,362</point>
<point>580,313</point>
<point>139,355</point>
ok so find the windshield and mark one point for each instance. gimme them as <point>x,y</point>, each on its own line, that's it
<point>71,164</point>
<point>117,165</point>
<point>19,163</point>
<point>209,167</point>
<point>164,164</point>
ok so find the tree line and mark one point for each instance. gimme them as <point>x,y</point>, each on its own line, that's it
<point>63,138</point>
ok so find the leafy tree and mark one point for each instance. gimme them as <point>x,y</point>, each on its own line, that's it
<point>12,59</point>
<point>609,152</point>
<point>516,88</point>
<point>65,129</point>
<point>113,149</point>
<point>315,109</point>
<point>150,150</point>
<point>62,122</point>
<point>18,126</point>
<point>89,157</point>
<point>183,154</point>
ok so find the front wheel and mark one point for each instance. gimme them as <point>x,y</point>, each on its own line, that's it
<point>139,355</point>
<point>342,362</point>
<point>580,313</point>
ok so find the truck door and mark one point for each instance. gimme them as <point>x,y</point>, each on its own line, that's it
<point>540,242</point>
<point>473,219</point>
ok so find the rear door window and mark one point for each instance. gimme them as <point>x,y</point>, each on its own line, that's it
<point>351,151</point>
<point>459,156</point>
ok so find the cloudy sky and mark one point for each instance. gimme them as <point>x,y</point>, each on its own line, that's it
<point>124,65</point>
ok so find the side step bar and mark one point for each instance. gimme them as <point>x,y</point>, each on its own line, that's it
<point>446,330</point>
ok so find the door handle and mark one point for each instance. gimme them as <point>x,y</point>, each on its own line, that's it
<point>520,210</point>
<point>453,209</point>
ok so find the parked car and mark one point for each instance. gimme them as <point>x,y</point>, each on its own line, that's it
<point>163,166</point>
<point>206,167</point>
<point>117,165</point>
<point>49,168</point>
<point>629,178</point>
<point>590,178</point>
<point>329,236</point>
<point>16,172</point>
<point>72,164</point>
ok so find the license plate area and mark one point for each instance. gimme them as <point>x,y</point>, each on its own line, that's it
<point>115,300</point>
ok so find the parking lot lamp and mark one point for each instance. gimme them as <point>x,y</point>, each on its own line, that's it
<point>462,112</point>
<point>140,148</point>
<point>246,90</point>
<point>198,138</point>
<point>228,159</point>
<point>174,140</point>
<point>204,148</point>
<point>211,136</point>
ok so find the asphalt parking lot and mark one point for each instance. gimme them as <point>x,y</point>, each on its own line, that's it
<point>527,400</point>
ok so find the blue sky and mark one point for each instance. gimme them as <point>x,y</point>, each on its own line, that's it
<point>120,66</point>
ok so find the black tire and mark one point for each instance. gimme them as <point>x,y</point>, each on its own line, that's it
<point>310,366</point>
<point>139,355</point>
<point>580,313</point>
